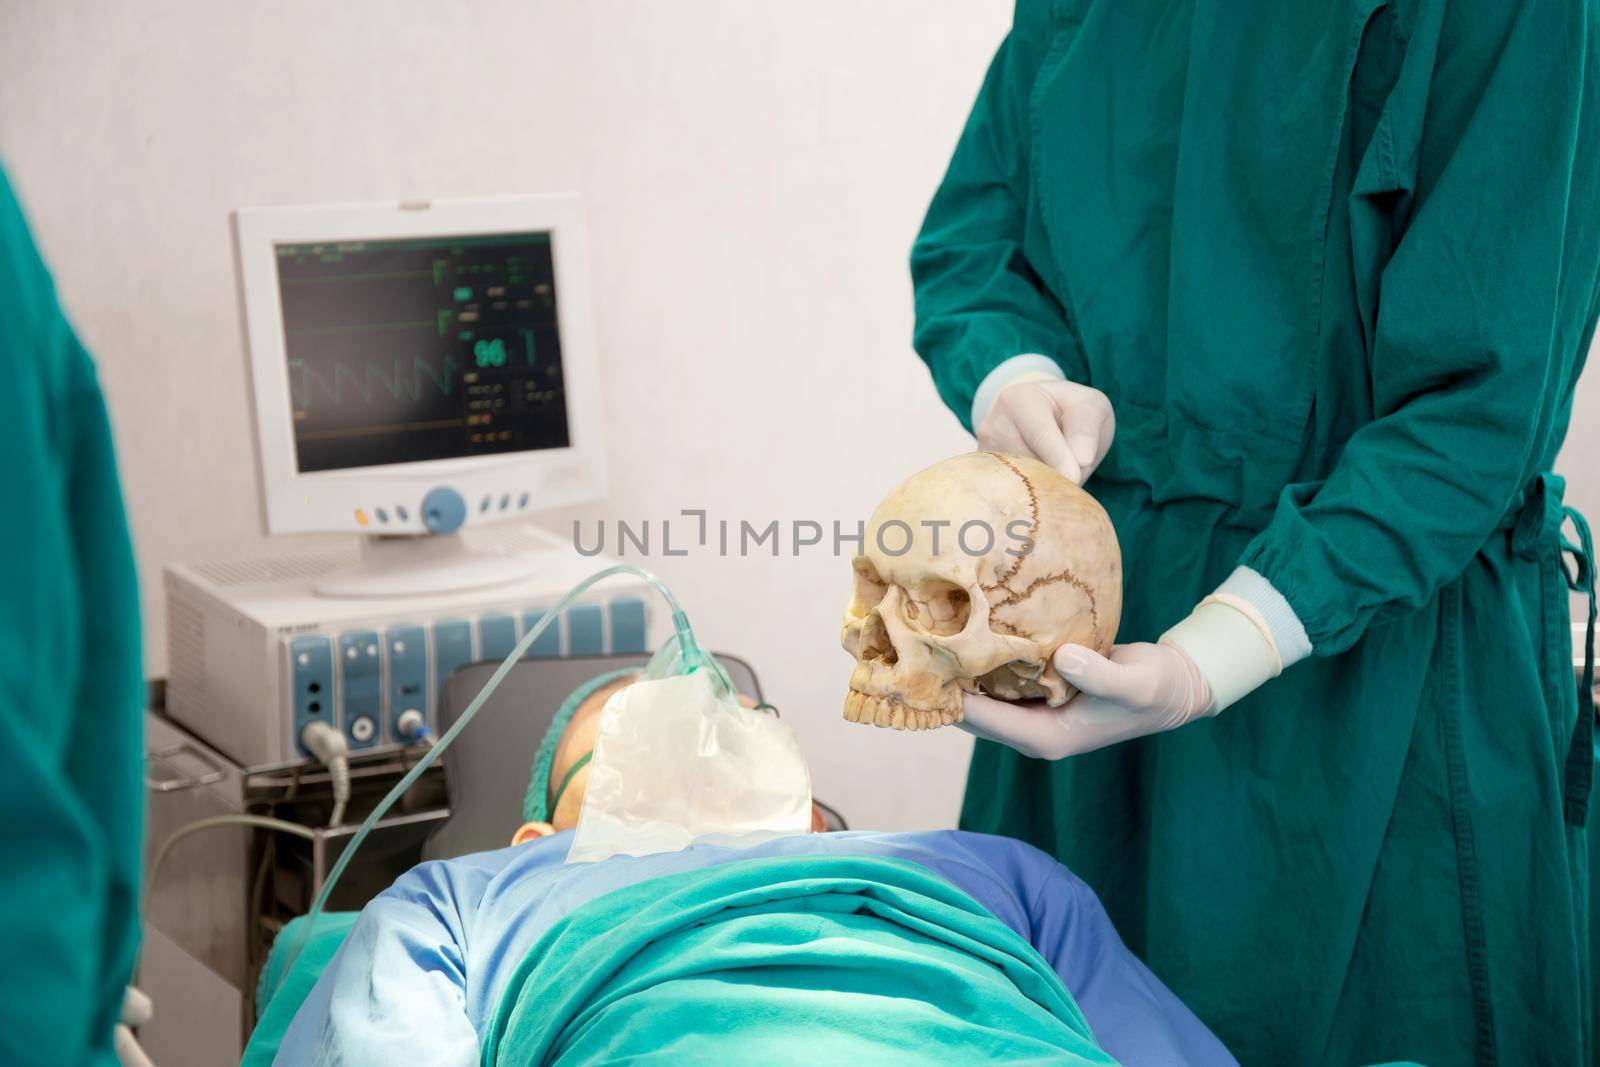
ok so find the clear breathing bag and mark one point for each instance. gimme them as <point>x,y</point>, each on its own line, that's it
<point>742,773</point>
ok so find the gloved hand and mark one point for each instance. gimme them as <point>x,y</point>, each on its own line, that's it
<point>1138,690</point>
<point>1061,424</point>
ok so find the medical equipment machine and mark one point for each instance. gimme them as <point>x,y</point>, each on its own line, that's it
<point>419,368</point>
<point>255,656</point>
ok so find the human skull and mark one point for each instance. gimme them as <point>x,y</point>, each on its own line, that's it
<point>1006,560</point>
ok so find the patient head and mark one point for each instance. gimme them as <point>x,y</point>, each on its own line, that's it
<point>564,787</point>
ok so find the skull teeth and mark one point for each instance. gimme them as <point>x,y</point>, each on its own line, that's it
<point>895,714</point>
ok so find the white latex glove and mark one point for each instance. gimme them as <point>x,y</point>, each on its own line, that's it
<point>1061,424</point>
<point>1138,690</point>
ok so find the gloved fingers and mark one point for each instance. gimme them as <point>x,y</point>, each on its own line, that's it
<point>1047,444</point>
<point>1092,426</point>
<point>1031,729</point>
<point>1039,731</point>
<point>1157,680</point>
<point>1137,690</point>
<point>1087,419</point>
<point>1026,421</point>
<point>1063,425</point>
<point>999,433</point>
<point>1116,678</point>
<point>1036,415</point>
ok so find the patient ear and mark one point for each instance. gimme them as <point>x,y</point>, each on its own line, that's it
<point>530,831</point>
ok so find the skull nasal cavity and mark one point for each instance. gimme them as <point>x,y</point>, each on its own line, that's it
<point>875,643</point>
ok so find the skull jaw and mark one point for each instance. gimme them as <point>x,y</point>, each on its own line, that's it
<point>896,714</point>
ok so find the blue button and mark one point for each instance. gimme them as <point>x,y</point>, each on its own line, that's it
<point>311,671</point>
<point>401,513</point>
<point>505,501</point>
<point>408,674</point>
<point>586,632</point>
<point>383,516</point>
<point>361,686</point>
<point>483,505</point>
<point>522,501</point>
<point>452,648</point>
<point>548,644</point>
<point>627,625</point>
<point>443,510</point>
<point>497,636</point>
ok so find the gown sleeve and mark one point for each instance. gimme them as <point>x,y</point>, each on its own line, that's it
<point>979,301</point>
<point>1484,312</point>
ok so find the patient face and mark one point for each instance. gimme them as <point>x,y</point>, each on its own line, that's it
<point>577,741</point>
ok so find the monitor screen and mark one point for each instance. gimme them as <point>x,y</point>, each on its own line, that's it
<point>408,350</point>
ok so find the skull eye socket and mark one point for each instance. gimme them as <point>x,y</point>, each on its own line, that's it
<point>869,590</point>
<point>939,608</point>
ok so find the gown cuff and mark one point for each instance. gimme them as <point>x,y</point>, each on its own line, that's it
<point>1234,639</point>
<point>1030,366</point>
<point>1288,633</point>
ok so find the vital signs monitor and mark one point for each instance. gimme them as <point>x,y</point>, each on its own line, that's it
<point>420,367</point>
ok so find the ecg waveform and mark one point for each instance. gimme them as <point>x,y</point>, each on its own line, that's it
<point>399,381</point>
<point>413,350</point>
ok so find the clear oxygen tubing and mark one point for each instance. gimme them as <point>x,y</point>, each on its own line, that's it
<point>680,655</point>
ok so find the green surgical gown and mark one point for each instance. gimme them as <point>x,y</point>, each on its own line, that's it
<point>1335,265</point>
<point>69,685</point>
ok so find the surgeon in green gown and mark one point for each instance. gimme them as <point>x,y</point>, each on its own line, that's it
<point>70,686</point>
<point>1306,289</point>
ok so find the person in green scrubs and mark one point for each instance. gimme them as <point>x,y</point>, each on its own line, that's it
<point>70,685</point>
<point>1306,289</point>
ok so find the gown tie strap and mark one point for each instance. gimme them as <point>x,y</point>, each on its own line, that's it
<point>1538,529</point>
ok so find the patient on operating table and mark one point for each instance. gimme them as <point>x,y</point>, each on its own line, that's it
<point>811,948</point>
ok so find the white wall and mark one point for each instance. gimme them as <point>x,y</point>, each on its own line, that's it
<point>754,174</point>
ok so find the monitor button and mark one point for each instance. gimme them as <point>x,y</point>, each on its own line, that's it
<point>401,513</point>
<point>505,501</point>
<point>443,510</point>
<point>522,501</point>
